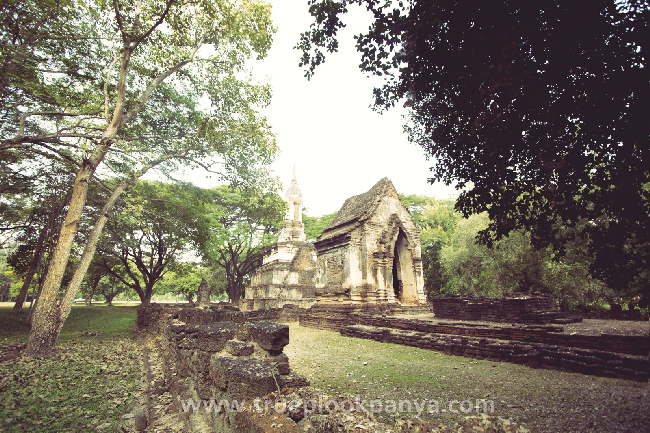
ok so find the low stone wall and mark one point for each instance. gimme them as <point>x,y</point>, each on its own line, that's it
<point>193,365</point>
<point>518,308</point>
<point>215,354</point>
<point>334,316</point>
<point>629,344</point>
<point>288,313</point>
<point>536,355</point>
<point>274,303</point>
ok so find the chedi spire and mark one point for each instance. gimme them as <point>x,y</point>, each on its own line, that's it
<point>293,229</point>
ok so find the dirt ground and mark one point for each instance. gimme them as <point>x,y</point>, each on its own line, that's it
<point>586,327</point>
<point>597,326</point>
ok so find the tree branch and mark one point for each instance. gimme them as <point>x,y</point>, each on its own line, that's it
<point>118,18</point>
<point>21,127</point>
<point>108,76</point>
<point>157,81</point>
<point>159,22</point>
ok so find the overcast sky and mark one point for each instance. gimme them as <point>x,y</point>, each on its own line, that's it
<point>325,126</point>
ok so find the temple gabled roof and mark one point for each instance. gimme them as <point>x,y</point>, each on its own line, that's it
<point>360,207</point>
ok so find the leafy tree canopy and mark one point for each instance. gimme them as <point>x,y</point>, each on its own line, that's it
<point>115,86</point>
<point>437,221</point>
<point>243,221</point>
<point>157,224</point>
<point>541,105</point>
<point>314,226</point>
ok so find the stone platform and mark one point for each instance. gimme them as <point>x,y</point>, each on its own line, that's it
<point>514,308</point>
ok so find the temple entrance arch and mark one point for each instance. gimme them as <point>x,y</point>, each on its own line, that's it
<point>404,284</point>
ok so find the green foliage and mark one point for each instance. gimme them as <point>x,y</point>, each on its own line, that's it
<point>88,82</point>
<point>243,221</point>
<point>437,221</point>
<point>544,117</point>
<point>157,223</point>
<point>186,277</point>
<point>314,226</point>
<point>462,258</point>
<point>184,281</point>
<point>10,283</point>
<point>514,264</point>
<point>152,62</point>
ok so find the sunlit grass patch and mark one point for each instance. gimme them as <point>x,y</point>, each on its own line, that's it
<point>101,321</point>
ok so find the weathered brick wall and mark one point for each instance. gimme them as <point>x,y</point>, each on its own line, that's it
<point>630,344</point>
<point>207,363</point>
<point>334,316</point>
<point>152,316</point>
<point>288,313</point>
<point>216,354</point>
<point>537,355</point>
<point>227,360</point>
<point>334,273</point>
<point>520,308</point>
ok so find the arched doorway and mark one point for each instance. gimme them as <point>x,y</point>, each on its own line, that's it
<point>404,286</point>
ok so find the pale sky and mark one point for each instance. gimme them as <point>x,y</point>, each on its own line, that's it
<point>325,126</point>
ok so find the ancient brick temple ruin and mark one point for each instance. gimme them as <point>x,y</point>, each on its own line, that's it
<point>369,254</point>
<point>289,266</point>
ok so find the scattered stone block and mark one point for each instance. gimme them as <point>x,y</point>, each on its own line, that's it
<point>239,348</point>
<point>270,336</point>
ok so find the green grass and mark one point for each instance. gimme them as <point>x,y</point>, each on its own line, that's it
<point>108,322</point>
<point>87,385</point>
<point>542,400</point>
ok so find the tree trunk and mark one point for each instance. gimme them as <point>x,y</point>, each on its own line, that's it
<point>49,315</point>
<point>93,290</point>
<point>51,311</point>
<point>91,244</point>
<point>30,315</point>
<point>93,238</point>
<point>32,307</point>
<point>148,290</point>
<point>36,260</point>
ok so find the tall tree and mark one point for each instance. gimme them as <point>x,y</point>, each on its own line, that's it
<point>186,278</point>
<point>124,78</point>
<point>243,222</point>
<point>541,105</point>
<point>514,264</point>
<point>158,223</point>
<point>42,204</point>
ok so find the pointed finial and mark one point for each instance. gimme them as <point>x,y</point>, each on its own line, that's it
<point>294,171</point>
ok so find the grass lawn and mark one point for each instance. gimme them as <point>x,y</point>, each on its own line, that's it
<point>107,322</point>
<point>88,385</point>
<point>541,400</point>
